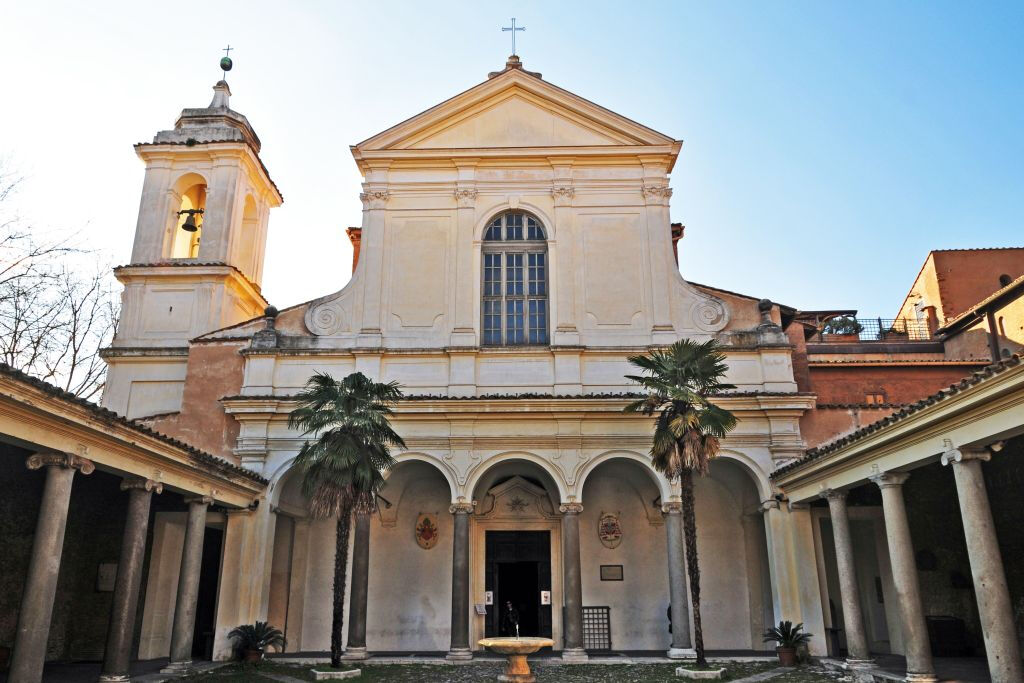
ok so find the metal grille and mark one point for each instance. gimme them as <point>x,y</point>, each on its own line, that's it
<point>845,328</point>
<point>597,628</point>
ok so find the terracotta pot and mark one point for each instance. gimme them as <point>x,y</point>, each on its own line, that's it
<point>252,655</point>
<point>787,655</point>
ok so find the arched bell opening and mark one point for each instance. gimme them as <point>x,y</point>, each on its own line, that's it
<point>187,218</point>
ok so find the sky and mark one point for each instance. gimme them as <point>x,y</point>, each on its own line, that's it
<point>828,146</point>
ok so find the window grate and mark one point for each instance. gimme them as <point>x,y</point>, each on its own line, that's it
<point>597,628</point>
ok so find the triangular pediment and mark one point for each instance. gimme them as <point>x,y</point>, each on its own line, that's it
<point>514,110</point>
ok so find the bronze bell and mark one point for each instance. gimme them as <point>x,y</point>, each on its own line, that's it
<point>190,223</point>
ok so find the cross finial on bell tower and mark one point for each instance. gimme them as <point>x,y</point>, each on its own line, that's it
<point>225,61</point>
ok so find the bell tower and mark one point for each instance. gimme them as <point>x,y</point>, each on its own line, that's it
<point>197,258</point>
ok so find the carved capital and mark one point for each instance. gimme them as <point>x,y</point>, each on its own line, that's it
<point>770,504</point>
<point>142,484</point>
<point>570,508</point>
<point>887,480</point>
<point>657,195</point>
<point>834,494</point>
<point>672,507</point>
<point>958,455</point>
<point>58,459</point>
<point>465,197</point>
<point>463,507</point>
<point>199,500</point>
<point>563,195</point>
<point>374,199</point>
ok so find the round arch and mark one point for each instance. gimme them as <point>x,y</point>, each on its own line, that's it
<point>583,471</point>
<point>188,179</point>
<point>753,470</point>
<point>547,221</point>
<point>483,467</point>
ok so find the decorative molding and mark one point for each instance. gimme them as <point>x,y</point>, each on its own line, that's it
<point>142,484</point>
<point>58,459</point>
<point>709,314</point>
<point>327,316</point>
<point>889,479</point>
<point>570,508</point>
<point>465,198</point>
<point>374,199</point>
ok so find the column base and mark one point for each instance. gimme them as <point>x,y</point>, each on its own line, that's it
<point>178,668</point>
<point>114,678</point>
<point>921,678</point>
<point>355,654</point>
<point>575,655</point>
<point>859,663</point>
<point>459,654</point>
<point>681,653</point>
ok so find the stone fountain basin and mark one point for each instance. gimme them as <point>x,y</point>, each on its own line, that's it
<point>516,646</point>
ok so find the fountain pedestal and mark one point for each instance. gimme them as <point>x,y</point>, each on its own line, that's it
<point>517,668</point>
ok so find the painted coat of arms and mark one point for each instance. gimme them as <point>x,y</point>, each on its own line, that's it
<point>426,530</point>
<point>609,530</point>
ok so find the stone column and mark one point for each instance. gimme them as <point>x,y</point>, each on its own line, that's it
<point>994,606</point>
<point>44,563</point>
<point>117,655</point>
<point>188,586</point>
<point>858,655</point>
<point>572,583</point>
<point>460,583</point>
<point>682,646</point>
<point>904,573</point>
<point>356,648</point>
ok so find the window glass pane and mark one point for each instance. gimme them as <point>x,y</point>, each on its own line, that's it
<point>533,229</point>
<point>493,233</point>
<point>492,274</point>
<point>538,321</point>
<point>492,321</point>
<point>536,274</point>
<point>514,274</point>
<point>513,226</point>
<point>514,333</point>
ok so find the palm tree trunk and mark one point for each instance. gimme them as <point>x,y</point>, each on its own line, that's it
<point>340,579</point>
<point>692,563</point>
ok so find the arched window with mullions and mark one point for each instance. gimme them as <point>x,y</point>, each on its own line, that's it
<point>515,287</point>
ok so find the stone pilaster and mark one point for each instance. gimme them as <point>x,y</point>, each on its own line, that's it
<point>463,331</point>
<point>375,198</point>
<point>682,645</point>
<point>994,607</point>
<point>188,586</point>
<point>917,649</point>
<point>44,563</point>
<point>853,619</point>
<point>572,582</point>
<point>356,648</point>
<point>459,650</point>
<point>117,655</point>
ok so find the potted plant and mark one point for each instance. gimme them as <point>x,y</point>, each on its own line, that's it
<point>252,639</point>
<point>842,328</point>
<point>789,638</point>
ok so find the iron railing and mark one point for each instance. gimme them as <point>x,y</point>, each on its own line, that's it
<point>858,329</point>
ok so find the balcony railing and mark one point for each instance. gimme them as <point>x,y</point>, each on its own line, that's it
<point>857,329</point>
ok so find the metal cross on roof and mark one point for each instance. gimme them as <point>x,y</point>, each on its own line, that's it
<point>513,28</point>
<point>227,50</point>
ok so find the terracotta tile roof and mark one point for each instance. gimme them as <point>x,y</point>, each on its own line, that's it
<point>905,412</point>
<point>221,465</point>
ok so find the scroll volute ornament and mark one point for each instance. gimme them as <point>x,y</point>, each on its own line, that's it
<point>60,459</point>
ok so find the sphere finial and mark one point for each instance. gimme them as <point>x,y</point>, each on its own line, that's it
<point>226,63</point>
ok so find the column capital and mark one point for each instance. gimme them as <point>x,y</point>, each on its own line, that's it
<point>200,500</point>
<point>59,459</point>
<point>770,504</point>
<point>834,494</point>
<point>571,508</point>
<point>887,480</point>
<point>141,483</point>
<point>375,199</point>
<point>463,507</point>
<point>465,197</point>
<point>672,507</point>
<point>958,455</point>
<point>563,194</point>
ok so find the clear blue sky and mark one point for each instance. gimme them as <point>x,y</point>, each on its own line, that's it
<point>828,145</point>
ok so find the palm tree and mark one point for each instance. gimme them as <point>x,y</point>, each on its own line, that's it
<point>687,430</point>
<point>343,469</point>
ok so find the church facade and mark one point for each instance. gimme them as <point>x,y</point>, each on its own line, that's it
<point>515,250</point>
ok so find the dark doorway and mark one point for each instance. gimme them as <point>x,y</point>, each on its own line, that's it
<point>206,605</point>
<point>518,569</point>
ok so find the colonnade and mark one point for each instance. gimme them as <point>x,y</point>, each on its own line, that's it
<point>994,606</point>
<point>34,617</point>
